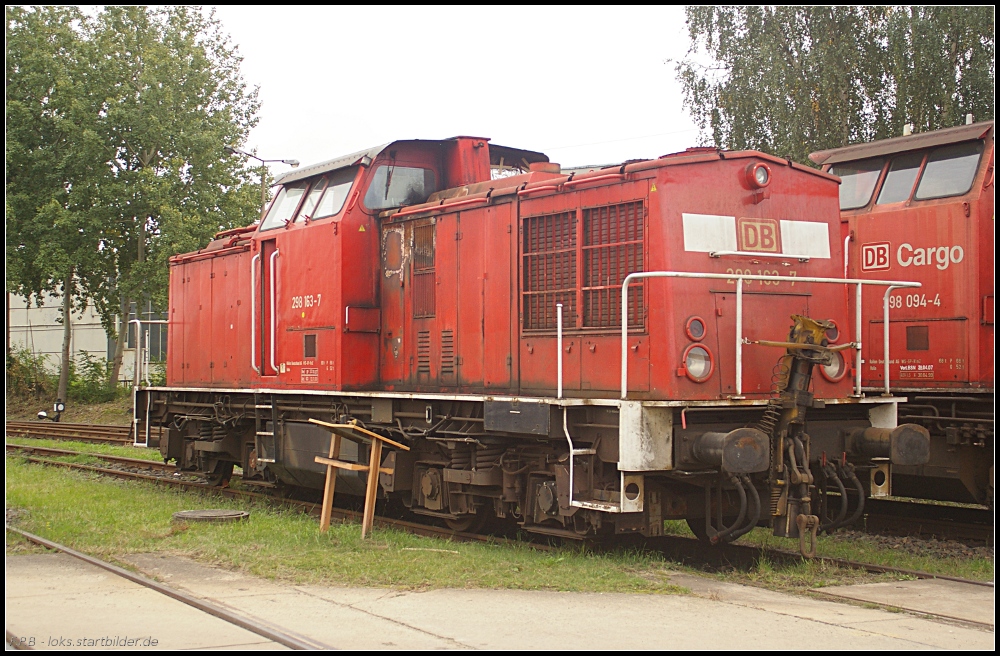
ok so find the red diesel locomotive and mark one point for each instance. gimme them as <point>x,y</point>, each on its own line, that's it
<point>428,292</point>
<point>920,207</point>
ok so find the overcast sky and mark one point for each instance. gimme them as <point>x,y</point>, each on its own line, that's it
<point>584,85</point>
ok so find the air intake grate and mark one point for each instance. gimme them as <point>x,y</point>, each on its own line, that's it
<point>423,353</point>
<point>447,353</point>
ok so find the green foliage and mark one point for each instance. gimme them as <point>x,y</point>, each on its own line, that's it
<point>90,380</point>
<point>28,375</point>
<point>116,128</point>
<point>793,80</point>
<point>157,373</point>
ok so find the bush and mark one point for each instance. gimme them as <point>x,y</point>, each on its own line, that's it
<point>90,380</point>
<point>31,376</point>
<point>28,375</point>
<point>157,373</point>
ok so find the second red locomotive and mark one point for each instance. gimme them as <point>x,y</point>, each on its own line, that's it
<point>417,291</point>
<point>921,207</point>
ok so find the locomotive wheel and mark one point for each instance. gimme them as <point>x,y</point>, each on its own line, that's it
<point>697,526</point>
<point>468,523</point>
<point>221,474</point>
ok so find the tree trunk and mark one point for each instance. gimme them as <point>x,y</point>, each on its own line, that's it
<point>67,338</point>
<point>116,366</point>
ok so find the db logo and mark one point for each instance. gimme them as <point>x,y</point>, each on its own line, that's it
<point>875,257</point>
<point>760,235</point>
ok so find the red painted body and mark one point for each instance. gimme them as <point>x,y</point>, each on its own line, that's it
<point>955,304</point>
<point>458,294</point>
<point>942,336</point>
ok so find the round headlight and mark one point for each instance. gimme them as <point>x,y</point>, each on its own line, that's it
<point>835,371</point>
<point>695,329</point>
<point>833,334</point>
<point>698,363</point>
<point>758,175</point>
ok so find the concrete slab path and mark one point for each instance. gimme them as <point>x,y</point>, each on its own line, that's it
<point>55,601</point>
<point>714,615</point>
<point>948,599</point>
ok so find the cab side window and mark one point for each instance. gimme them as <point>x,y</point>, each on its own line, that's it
<point>899,181</point>
<point>950,171</point>
<point>394,186</point>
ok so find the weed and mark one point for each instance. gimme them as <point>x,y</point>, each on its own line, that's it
<point>29,375</point>
<point>115,518</point>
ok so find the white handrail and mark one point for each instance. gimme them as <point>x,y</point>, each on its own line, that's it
<point>136,368</point>
<point>892,284</point>
<point>559,365</point>
<point>274,312</point>
<point>253,312</point>
<point>135,378</point>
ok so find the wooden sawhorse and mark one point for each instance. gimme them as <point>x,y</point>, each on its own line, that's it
<point>333,464</point>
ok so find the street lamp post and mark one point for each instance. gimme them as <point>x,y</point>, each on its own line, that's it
<point>231,150</point>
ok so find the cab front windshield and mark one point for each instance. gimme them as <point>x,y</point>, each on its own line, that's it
<point>858,181</point>
<point>312,199</point>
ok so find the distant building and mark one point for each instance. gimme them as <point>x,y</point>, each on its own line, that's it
<point>40,331</point>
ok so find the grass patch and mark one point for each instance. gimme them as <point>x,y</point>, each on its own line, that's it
<point>972,563</point>
<point>112,518</point>
<point>116,412</point>
<point>139,453</point>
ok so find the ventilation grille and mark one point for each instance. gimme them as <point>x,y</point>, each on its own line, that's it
<point>550,261</point>
<point>423,353</point>
<point>424,284</point>
<point>447,353</point>
<point>613,248</point>
<point>609,245</point>
<point>423,294</point>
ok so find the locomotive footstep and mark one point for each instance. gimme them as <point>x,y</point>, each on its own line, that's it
<point>217,515</point>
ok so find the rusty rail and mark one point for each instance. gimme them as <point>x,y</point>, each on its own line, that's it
<point>96,433</point>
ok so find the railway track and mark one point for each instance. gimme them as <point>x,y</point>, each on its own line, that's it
<point>949,522</point>
<point>139,463</point>
<point>92,433</point>
<point>887,517</point>
<point>253,625</point>
<point>673,547</point>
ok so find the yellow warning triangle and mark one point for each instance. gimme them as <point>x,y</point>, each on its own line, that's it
<point>361,229</point>
<point>653,188</point>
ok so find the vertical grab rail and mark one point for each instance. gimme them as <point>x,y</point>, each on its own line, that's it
<point>739,337</point>
<point>885,335</point>
<point>136,374</point>
<point>559,342</point>
<point>274,312</point>
<point>857,343</point>
<point>253,312</point>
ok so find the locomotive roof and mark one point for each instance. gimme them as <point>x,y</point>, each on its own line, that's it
<point>331,164</point>
<point>496,154</point>
<point>900,144</point>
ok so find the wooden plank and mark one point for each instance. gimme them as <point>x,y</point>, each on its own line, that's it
<point>331,483</point>
<point>373,464</point>
<point>351,466</point>
<point>359,429</point>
